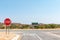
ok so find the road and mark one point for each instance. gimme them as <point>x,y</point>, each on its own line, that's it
<point>37,34</point>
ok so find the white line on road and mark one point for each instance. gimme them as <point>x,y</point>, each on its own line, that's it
<point>38,37</point>
<point>16,38</point>
<point>32,34</point>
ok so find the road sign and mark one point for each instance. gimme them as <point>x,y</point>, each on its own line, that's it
<point>7,21</point>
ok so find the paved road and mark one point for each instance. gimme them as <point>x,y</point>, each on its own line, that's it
<point>37,34</point>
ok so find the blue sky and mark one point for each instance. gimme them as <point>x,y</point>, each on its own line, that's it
<point>27,11</point>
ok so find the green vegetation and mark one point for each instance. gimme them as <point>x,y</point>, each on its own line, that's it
<point>26,26</point>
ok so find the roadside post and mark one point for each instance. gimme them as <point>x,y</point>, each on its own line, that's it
<point>7,22</point>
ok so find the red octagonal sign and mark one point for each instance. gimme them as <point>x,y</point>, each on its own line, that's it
<point>7,21</point>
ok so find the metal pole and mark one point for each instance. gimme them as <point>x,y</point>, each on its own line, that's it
<point>6,30</point>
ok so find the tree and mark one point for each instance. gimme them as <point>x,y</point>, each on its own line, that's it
<point>52,25</point>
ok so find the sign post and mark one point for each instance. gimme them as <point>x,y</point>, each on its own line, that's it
<point>7,22</point>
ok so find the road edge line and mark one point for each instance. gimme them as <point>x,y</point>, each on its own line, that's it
<point>16,37</point>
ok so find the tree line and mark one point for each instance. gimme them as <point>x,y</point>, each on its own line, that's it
<point>26,26</point>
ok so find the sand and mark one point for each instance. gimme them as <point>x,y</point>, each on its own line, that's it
<point>4,36</point>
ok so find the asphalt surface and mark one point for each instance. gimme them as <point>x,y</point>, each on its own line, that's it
<point>37,34</point>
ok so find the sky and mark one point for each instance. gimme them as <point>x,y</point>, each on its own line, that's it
<point>28,11</point>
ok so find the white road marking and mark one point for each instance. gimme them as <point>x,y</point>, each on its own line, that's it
<point>49,33</point>
<point>32,34</point>
<point>38,37</point>
<point>16,37</point>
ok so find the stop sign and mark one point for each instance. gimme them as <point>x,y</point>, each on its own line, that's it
<point>7,21</point>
